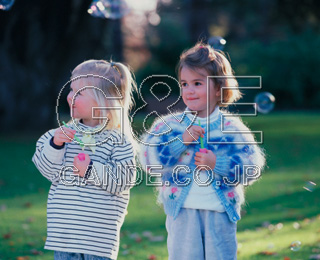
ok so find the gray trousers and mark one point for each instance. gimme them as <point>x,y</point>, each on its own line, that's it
<point>201,235</point>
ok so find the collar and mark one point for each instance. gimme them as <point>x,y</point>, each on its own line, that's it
<point>87,129</point>
<point>214,116</point>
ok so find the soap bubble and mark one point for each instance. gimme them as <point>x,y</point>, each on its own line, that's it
<point>154,19</point>
<point>296,225</point>
<point>295,246</point>
<point>217,42</point>
<point>265,102</point>
<point>6,4</point>
<point>309,186</point>
<point>279,226</point>
<point>112,9</point>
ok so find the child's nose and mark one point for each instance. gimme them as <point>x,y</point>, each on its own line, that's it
<point>69,98</point>
<point>190,90</point>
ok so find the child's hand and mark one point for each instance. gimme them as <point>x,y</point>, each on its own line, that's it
<point>207,159</point>
<point>81,166</point>
<point>195,131</point>
<point>60,137</point>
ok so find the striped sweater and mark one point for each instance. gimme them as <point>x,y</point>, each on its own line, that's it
<point>85,215</point>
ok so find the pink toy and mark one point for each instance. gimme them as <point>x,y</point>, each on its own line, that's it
<point>81,156</point>
<point>203,150</point>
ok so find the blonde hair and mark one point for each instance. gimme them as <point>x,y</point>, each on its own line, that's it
<point>113,84</point>
<point>203,56</point>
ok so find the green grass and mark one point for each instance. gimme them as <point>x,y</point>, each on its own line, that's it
<point>278,210</point>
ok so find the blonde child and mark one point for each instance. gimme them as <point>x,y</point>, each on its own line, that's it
<point>89,162</point>
<point>202,189</point>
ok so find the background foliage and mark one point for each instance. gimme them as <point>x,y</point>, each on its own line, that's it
<point>41,42</point>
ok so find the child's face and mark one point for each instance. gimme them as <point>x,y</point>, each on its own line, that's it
<point>81,103</point>
<point>194,91</point>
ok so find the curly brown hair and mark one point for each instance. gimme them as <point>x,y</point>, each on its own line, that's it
<point>203,56</point>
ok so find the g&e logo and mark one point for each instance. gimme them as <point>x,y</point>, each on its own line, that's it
<point>147,87</point>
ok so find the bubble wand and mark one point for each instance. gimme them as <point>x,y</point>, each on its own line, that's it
<point>202,149</point>
<point>75,137</point>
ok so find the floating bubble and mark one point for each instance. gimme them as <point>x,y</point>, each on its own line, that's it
<point>112,9</point>
<point>309,186</point>
<point>25,226</point>
<point>154,19</point>
<point>217,42</point>
<point>6,4</point>
<point>279,226</point>
<point>295,246</point>
<point>271,227</point>
<point>296,225</point>
<point>265,102</point>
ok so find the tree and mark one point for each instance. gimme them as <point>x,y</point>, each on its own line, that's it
<point>40,43</point>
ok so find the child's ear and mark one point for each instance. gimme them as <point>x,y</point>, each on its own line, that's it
<point>218,93</point>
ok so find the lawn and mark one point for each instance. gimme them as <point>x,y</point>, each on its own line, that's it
<point>278,211</point>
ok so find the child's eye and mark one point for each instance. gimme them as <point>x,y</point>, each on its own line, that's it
<point>183,84</point>
<point>78,93</point>
<point>198,83</point>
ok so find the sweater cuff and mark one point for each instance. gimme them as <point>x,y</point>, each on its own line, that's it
<point>56,146</point>
<point>54,155</point>
<point>177,147</point>
<point>222,165</point>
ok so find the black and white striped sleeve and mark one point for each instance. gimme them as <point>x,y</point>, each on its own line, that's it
<point>118,173</point>
<point>47,158</point>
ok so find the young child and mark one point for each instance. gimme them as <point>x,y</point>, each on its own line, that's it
<point>89,193</point>
<point>202,189</point>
